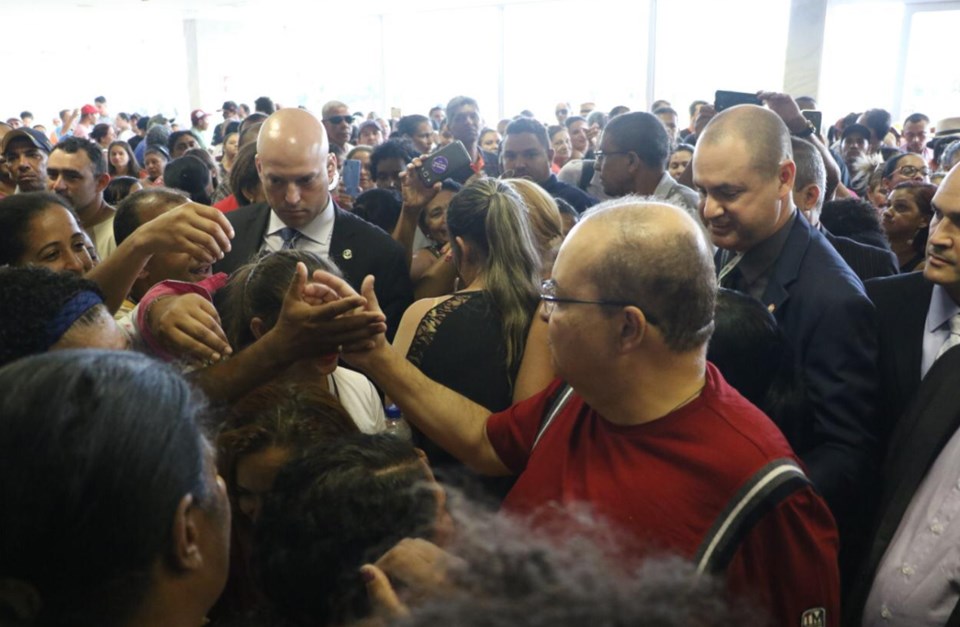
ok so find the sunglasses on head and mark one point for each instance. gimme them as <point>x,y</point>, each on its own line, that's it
<point>340,119</point>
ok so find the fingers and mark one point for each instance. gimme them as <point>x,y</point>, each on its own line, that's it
<point>329,311</point>
<point>200,341</point>
<point>383,598</point>
<point>297,284</point>
<point>335,283</point>
<point>366,288</point>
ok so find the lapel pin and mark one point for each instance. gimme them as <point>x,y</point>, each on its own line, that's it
<point>771,307</point>
<point>348,254</point>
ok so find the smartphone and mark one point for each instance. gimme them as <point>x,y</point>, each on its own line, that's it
<point>351,177</point>
<point>815,117</point>
<point>726,99</point>
<point>442,163</point>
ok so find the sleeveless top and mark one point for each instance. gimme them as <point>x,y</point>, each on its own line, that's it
<point>460,344</point>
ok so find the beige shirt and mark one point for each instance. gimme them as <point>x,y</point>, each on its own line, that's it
<point>103,238</point>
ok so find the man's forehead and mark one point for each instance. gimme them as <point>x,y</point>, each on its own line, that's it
<point>61,158</point>
<point>21,144</point>
<point>465,108</point>
<point>947,198</point>
<point>521,141</point>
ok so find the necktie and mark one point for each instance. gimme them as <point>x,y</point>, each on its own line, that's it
<point>954,337</point>
<point>289,236</point>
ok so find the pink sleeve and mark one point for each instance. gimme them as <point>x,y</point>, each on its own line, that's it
<point>206,288</point>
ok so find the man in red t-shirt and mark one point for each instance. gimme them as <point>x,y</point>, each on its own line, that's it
<point>652,438</point>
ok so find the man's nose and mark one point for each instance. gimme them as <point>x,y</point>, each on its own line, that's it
<point>293,194</point>
<point>712,209</point>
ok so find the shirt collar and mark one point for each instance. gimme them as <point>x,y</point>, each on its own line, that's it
<point>664,186</point>
<point>942,308</point>
<point>761,257</point>
<point>315,230</point>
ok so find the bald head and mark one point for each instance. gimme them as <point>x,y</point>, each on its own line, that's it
<point>761,131</point>
<point>654,255</point>
<point>292,131</point>
<point>295,165</point>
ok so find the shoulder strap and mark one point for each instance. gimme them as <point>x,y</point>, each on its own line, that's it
<point>586,174</point>
<point>765,490</point>
<point>560,399</point>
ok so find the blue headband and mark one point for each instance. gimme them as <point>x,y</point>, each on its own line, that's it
<point>72,310</point>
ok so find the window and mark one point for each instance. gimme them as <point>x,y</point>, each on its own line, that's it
<point>931,82</point>
<point>703,46</point>
<point>571,51</point>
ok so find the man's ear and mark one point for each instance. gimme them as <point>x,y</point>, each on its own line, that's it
<point>787,174</point>
<point>257,327</point>
<point>633,328</point>
<point>185,545</point>
<point>550,154</point>
<point>102,181</point>
<point>332,166</point>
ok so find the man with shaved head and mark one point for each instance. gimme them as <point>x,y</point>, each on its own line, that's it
<point>297,172</point>
<point>638,426</point>
<point>744,168</point>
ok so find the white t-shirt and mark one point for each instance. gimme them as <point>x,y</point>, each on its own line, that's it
<point>358,396</point>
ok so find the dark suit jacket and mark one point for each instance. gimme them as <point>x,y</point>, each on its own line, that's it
<point>358,248</point>
<point>828,319</point>
<point>902,303</point>
<point>931,421</point>
<point>867,262</point>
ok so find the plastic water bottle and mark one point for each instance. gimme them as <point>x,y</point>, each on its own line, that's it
<point>396,425</point>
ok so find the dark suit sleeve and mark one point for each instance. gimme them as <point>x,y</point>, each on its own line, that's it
<point>841,376</point>
<point>393,287</point>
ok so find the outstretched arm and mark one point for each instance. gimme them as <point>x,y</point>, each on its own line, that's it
<point>453,421</point>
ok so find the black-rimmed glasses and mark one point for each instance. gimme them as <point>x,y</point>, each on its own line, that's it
<point>548,294</point>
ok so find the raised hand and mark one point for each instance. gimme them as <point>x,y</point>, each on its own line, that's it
<point>188,327</point>
<point>202,232</point>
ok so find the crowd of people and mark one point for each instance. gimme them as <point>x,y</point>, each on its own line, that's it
<point>320,368</point>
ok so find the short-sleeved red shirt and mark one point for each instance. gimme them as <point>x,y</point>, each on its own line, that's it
<point>666,481</point>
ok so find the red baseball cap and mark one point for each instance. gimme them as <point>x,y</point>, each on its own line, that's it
<point>89,109</point>
<point>196,115</point>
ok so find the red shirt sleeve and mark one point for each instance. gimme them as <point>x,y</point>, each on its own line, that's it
<point>513,430</point>
<point>794,549</point>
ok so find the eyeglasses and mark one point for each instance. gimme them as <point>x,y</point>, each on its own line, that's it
<point>340,119</point>
<point>563,111</point>
<point>548,294</point>
<point>600,155</point>
<point>912,170</point>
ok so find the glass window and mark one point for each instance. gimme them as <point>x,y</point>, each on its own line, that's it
<point>931,82</point>
<point>695,57</point>
<point>574,52</point>
<point>860,50</point>
<point>432,56</point>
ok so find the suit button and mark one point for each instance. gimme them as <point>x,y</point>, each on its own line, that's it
<point>885,613</point>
